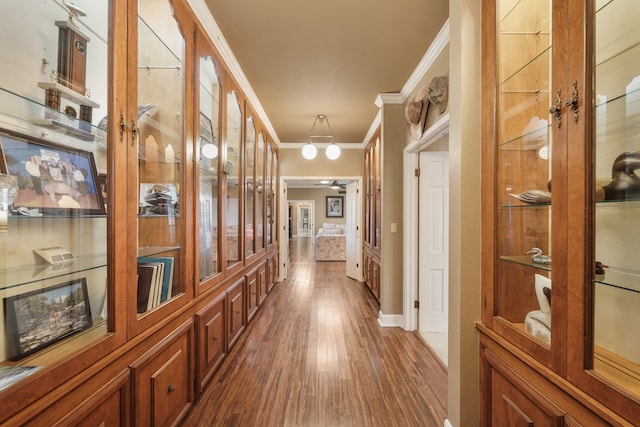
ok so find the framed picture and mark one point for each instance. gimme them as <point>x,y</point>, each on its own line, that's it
<point>335,206</point>
<point>159,199</point>
<point>51,178</point>
<point>39,318</point>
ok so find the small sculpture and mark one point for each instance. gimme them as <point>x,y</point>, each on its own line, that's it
<point>538,322</point>
<point>600,267</point>
<point>439,93</point>
<point>538,257</point>
<point>625,183</point>
<point>533,197</point>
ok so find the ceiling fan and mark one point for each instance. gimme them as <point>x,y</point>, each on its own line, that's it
<point>335,185</point>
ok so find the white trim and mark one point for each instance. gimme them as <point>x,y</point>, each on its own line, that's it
<point>389,320</point>
<point>212,29</point>
<point>433,134</point>
<point>410,163</point>
<point>436,48</point>
<point>447,423</point>
<point>374,125</point>
<point>389,98</point>
<point>321,146</point>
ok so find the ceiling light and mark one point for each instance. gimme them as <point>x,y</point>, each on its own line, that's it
<point>309,151</point>
<point>335,185</point>
<point>323,133</point>
<point>332,151</point>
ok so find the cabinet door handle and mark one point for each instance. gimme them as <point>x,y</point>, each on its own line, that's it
<point>215,338</point>
<point>556,110</point>
<point>170,389</point>
<point>123,126</point>
<point>573,101</point>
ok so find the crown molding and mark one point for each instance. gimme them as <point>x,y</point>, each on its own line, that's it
<point>374,126</point>
<point>437,46</point>
<point>212,29</point>
<point>322,146</point>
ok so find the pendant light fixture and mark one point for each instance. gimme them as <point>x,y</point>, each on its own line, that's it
<point>323,133</point>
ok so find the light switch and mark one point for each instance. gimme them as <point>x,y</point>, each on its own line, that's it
<point>394,227</point>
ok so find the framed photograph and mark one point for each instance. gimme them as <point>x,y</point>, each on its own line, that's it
<point>39,318</point>
<point>52,178</point>
<point>335,206</point>
<point>159,199</point>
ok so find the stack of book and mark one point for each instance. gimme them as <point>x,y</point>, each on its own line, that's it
<point>155,277</point>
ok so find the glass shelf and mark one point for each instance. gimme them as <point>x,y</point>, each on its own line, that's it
<point>526,260</point>
<point>620,278</point>
<point>35,273</point>
<point>155,250</point>
<point>25,115</point>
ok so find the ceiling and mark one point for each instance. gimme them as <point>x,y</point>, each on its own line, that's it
<point>333,57</point>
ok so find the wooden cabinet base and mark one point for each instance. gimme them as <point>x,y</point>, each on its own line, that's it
<point>162,380</point>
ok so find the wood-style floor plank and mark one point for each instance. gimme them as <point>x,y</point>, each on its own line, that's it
<point>315,355</point>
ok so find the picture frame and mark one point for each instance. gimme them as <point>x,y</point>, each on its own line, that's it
<point>159,199</point>
<point>52,178</point>
<point>335,206</point>
<point>40,318</point>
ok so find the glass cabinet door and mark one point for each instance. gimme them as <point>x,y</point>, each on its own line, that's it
<point>56,256</point>
<point>233,128</point>
<point>249,161</point>
<point>524,167</point>
<point>260,192</point>
<point>159,136</point>
<point>616,284</point>
<point>208,161</point>
<point>269,192</point>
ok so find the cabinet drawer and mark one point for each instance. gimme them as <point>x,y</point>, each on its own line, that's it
<point>252,293</point>
<point>236,316</point>
<point>107,405</point>
<point>263,282</point>
<point>211,339</point>
<point>162,380</point>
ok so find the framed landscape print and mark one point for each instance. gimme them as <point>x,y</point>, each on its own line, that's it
<point>335,207</point>
<point>39,318</point>
<point>52,178</point>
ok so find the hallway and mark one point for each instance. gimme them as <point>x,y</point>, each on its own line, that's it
<point>315,355</point>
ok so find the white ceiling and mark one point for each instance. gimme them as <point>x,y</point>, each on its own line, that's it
<point>304,58</point>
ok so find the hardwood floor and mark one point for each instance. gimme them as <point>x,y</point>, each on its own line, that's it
<point>315,355</point>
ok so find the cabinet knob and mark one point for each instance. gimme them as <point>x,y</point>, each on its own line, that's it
<point>215,338</point>
<point>556,110</point>
<point>573,101</point>
<point>170,389</point>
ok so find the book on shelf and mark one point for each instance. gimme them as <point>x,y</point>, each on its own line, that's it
<point>160,286</point>
<point>147,285</point>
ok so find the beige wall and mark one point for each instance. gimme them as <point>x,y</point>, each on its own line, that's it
<point>393,136</point>
<point>350,163</point>
<point>319,195</point>
<point>464,209</point>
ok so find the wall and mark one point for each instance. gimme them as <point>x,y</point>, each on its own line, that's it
<point>464,209</point>
<point>349,164</point>
<point>319,195</point>
<point>393,134</point>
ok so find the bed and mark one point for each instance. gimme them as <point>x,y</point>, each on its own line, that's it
<point>330,242</point>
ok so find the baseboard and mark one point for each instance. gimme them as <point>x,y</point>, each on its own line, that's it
<point>390,320</point>
<point>447,423</point>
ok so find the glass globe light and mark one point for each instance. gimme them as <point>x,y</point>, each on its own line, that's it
<point>309,151</point>
<point>332,151</point>
<point>210,151</point>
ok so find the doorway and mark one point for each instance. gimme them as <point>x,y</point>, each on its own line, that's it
<point>304,226</point>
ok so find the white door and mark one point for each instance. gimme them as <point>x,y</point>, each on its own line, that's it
<point>284,226</point>
<point>352,231</point>
<point>304,220</point>
<point>433,290</point>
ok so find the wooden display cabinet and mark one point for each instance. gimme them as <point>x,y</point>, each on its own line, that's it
<point>560,198</point>
<point>253,289</point>
<point>163,160</point>
<point>372,215</point>
<point>211,339</point>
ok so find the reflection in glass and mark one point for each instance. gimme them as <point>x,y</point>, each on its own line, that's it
<point>233,167</point>
<point>160,145</point>
<point>268,181</point>
<point>250,148</point>
<point>260,193</point>
<point>208,169</point>
<point>617,210</point>
<point>524,164</point>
